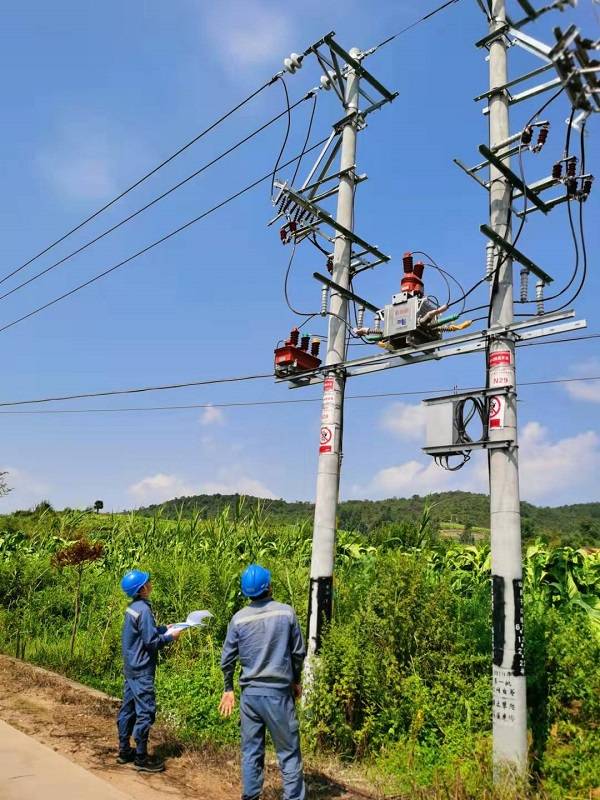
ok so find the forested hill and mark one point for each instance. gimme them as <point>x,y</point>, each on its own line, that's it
<point>460,508</point>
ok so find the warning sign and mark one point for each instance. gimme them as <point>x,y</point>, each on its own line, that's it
<point>500,358</point>
<point>501,368</point>
<point>497,409</point>
<point>331,402</point>
<point>326,439</point>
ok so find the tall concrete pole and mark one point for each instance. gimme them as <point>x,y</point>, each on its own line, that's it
<point>509,693</point>
<point>332,414</point>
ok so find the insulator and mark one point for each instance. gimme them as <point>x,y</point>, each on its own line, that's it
<point>524,284</point>
<point>294,336</point>
<point>587,188</point>
<point>490,253</point>
<point>377,325</point>
<point>539,296</point>
<point>407,261</point>
<point>327,80</point>
<point>304,342</point>
<point>572,167</point>
<point>571,185</point>
<point>324,300</point>
<point>314,347</point>
<point>527,135</point>
<point>542,137</point>
<point>293,63</point>
<point>418,269</point>
<point>557,171</point>
<point>360,316</point>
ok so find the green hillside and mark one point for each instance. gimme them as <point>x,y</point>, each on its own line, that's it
<point>576,524</point>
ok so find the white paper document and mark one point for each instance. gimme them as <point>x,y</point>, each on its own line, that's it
<point>195,619</point>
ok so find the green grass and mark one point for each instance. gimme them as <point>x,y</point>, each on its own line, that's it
<point>402,691</point>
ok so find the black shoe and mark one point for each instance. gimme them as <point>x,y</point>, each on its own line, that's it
<point>126,756</point>
<point>147,764</point>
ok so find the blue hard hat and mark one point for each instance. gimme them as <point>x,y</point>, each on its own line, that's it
<point>133,581</point>
<point>255,580</point>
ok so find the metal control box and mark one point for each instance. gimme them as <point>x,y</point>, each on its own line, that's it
<point>440,423</point>
<point>401,321</point>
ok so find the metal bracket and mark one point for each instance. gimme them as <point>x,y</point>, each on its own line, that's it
<point>513,179</point>
<point>349,295</point>
<point>515,254</point>
<point>456,345</point>
<point>327,219</point>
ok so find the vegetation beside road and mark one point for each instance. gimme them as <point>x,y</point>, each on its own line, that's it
<point>403,687</point>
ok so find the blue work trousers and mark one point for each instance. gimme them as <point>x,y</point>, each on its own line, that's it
<point>277,714</point>
<point>137,712</point>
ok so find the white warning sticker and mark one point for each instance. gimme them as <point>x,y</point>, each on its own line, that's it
<point>501,368</point>
<point>497,409</point>
<point>327,439</point>
<point>330,411</point>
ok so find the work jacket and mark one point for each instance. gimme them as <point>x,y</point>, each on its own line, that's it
<point>141,639</point>
<point>265,636</point>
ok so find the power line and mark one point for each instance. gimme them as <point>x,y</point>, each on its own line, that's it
<point>260,376</point>
<point>253,403</point>
<point>153,202</point>
<point>145,177</point>
<point>139,390</point>
<point>156,243</point>
<point>415,23</point>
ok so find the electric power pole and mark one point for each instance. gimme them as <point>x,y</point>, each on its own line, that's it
<point>332,413</point>
<point>509,691</point>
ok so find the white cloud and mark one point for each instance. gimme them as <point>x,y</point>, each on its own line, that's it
<point>26,490</point>
<point>248,33</point>
<point>160,487</point>
<point>585,390</point>
<point>88,159</point>
<point>212,416</point>
<point>405,420</point>
<point>553,472</point>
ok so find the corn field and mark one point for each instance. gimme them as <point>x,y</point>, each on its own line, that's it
<point>403,685</point>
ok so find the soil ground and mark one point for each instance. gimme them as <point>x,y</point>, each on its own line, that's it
<point>79,723</point>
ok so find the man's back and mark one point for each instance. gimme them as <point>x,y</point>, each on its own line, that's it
<point>266,638</point>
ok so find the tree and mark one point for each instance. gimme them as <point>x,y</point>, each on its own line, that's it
<point>4,488</point>
<point>78,555</point>
<point>98,505</point>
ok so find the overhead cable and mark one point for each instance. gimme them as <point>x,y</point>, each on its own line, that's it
<point>145,177</point>
<point>155,243</point>
<point>415,23</point>
<point>261,376</point>
<point>253,403</point>
<point>153,202</point>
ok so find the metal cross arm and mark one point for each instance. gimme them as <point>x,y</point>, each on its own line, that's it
<point>434,351</point>
<point>345,292</point>
<point>513,179</point>
<point>517,255</point>
<point>327,219</point>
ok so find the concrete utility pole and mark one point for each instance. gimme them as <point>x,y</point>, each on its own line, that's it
<point>332,414</point>
<point>509,692</point>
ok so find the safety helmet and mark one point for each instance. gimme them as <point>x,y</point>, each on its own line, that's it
<point>255,580</point>
<point>133,581</point>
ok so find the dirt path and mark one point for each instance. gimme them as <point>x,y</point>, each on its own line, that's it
<point>79,723</point>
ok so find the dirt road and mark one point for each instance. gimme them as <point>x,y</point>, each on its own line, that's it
<point>79,723</point>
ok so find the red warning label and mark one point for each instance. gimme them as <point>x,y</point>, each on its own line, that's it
<point>500,358</point>
<point>328,384</point>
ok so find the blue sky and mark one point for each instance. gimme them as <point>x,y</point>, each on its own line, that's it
<point>97,94</point>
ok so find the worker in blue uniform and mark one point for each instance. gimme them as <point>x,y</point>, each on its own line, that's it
<point>141,639</point>
<point>266,639</point>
